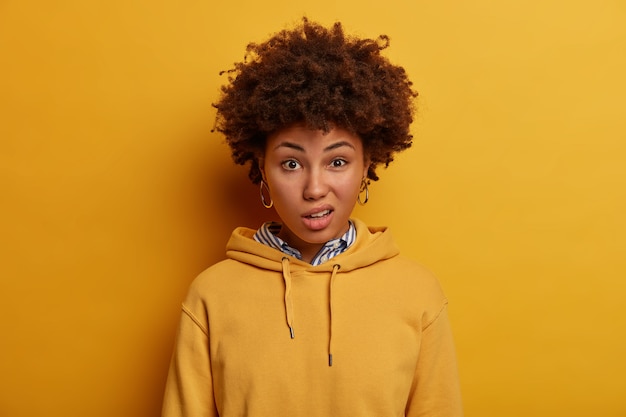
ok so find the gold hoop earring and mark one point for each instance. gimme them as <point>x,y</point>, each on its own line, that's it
<point>364,187</point>
<point>263,201</point>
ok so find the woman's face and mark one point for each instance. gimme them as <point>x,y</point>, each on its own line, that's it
<point>314,180</point>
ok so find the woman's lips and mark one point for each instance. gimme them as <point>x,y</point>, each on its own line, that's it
<point>319,214</point>
<point>318,220</point>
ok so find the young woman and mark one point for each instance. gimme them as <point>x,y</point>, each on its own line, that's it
<point>317,315</point>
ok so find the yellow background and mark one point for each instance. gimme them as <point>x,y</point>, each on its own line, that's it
<point>114,193</point>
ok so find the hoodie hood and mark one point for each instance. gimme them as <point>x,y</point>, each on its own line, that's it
<point>373,244</point>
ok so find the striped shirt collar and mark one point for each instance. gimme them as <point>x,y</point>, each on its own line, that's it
<point>267,234</point>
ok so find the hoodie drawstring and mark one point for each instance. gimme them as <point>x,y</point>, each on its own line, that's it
<point>330,308</point>
<point>288,300</point>
<point>289,304</point>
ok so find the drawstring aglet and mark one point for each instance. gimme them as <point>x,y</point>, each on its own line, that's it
<point>293,335</point>
<point>330,359</point>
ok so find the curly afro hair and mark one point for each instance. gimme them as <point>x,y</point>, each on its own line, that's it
<point>320,77</point>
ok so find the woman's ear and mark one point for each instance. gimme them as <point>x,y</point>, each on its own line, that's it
<point>261,164</point>
<point>366,167</point>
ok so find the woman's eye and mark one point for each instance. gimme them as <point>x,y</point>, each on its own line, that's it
<point>291,164</point>
<point>338,163</point>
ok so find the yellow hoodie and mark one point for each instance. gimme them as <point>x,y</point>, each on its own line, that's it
<point>364,334</point>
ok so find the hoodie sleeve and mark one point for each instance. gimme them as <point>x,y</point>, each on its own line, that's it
<point>189,388</point>
<point>435,391</point>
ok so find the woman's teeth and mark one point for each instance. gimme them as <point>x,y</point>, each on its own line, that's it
<point>320,214</point>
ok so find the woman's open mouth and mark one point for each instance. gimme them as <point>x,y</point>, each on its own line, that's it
<point>318,220</point>
<point>319,215</point>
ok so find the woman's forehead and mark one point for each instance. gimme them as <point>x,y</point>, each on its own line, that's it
<point>302,137</point>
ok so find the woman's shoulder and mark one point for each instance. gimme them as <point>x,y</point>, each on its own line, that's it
<point>221,271</point>
<point>412,277</point>
<point>218,281</point>
<point>406,266</point>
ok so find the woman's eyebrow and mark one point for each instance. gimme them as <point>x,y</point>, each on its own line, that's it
<point>338,145</point>
<point>297,147</point>
<point>289,145</point>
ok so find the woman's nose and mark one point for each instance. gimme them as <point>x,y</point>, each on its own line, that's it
<point>315,186</point>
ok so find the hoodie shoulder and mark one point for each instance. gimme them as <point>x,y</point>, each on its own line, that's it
<point>419,274</point>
